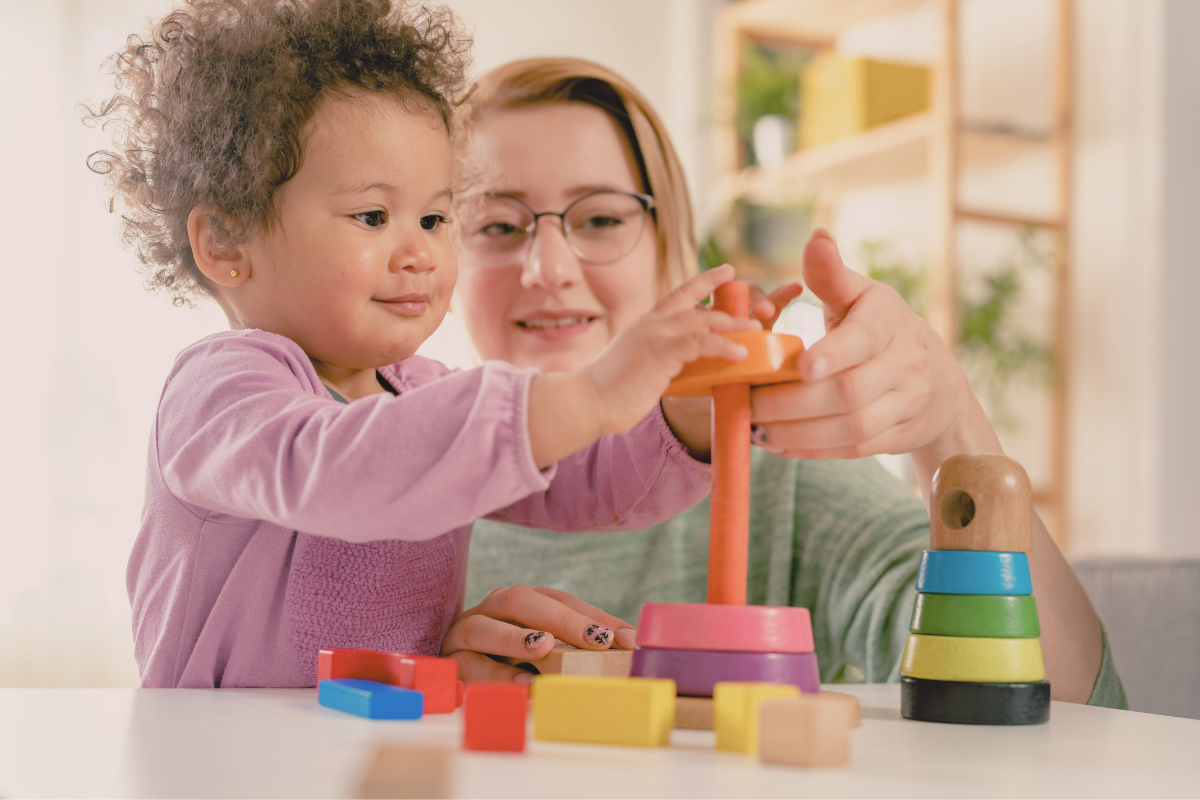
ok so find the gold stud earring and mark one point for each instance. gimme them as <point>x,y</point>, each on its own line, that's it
<point>233,273</point>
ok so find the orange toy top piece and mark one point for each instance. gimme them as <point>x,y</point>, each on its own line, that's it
<point>773,358</point>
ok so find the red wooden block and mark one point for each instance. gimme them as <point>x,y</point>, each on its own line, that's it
<point>436,678</point>
<point>494,716</point>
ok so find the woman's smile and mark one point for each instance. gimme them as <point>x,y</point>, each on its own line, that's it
<point>556,324</point>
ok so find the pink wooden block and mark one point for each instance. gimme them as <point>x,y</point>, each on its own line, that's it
<point>748,629</point>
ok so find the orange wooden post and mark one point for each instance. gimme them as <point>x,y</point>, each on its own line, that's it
<point>729,525</point>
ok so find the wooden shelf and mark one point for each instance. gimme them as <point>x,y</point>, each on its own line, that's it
<point>893,152</point>
<point>813,21</point>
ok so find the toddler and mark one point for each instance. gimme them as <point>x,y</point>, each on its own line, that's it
<point>312,483</point>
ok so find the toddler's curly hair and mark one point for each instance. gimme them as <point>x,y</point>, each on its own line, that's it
<point>211,104</point>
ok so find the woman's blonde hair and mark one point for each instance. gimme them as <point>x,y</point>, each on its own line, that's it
<point>538,81</point>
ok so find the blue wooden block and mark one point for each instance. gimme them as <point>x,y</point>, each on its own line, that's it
<point>973,572</point>
<point>371,699</point>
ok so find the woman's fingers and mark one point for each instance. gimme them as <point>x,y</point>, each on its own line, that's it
<point>778,300</point>
<point>866,330</point>
<point>625,633</point>
<point>478,667</point>
<point>483,633</point>
<point>852,431</point>
<point>828,278</point>
<point>841,393</point>
<point>538,611</point>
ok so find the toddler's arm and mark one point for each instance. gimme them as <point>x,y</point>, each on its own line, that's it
<point>245,429</point>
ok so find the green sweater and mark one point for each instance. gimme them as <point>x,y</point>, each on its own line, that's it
<point>840,538</point>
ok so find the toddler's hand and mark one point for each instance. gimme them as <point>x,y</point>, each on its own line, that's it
<point>523,622</point>
<point>635,369</point>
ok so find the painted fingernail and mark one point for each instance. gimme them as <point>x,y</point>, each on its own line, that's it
<point>598,634</point>
<point>534,640</point>
<point>820,366</point>
<point>523,678</point>
<point>626,637</point>
<point>758,435</point>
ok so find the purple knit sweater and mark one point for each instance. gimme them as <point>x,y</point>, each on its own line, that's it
<point>279,521</point>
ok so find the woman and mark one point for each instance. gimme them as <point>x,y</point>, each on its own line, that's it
<point>575,152</point>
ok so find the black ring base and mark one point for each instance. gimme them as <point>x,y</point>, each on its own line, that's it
<point>975,703</point>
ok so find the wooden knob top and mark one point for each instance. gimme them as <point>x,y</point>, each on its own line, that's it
<point>982,502</point>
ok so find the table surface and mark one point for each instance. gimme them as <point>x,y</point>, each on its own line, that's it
<point>280,743</point>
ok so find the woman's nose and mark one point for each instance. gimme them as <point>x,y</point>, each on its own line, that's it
<point>550,262</point>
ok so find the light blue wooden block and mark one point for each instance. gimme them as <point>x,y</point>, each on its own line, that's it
<point>371,699</point>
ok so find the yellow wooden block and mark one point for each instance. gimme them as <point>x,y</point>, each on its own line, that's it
<point>963,658</point>
<point>844,96</point>
<point>735,712</point>
<point>639,712</point>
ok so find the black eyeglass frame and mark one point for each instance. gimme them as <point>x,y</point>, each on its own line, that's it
<point>646,201</point>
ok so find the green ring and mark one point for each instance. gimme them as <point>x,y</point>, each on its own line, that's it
<point>988,616</point>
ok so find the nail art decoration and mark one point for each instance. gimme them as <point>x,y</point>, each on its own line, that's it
<point>758,435</point>
<point>598,634</point>
<point>532,640</point>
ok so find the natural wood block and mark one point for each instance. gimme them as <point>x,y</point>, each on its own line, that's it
<point>963,658</point>
<point>568,660</point>
<point>637,712</point>
<point>851,703</point>
<point>807,730</point>
<point>982,502</point>
<point>735,712</point>
<point>403,770</point>
<point>694,713</point>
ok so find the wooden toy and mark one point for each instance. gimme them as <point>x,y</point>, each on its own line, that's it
<point>962,658</point>
<point>494,716</point>
<point>973,654</point>
<point>370,699</point>
<point>436,678</point>
<point>696,671</point>
<point>735,712</point>
<point>637,712</point>
<point>982,503</point>
<point>694,713</point>
<point>993,616</point>
<point>851,703</point>
<point>973,572</point>
<point>695,644</point>
<point>752,629</point>
<point>975,703</point>
<point>805,731</point>
<point>408,771</point>
<point>568,660</point>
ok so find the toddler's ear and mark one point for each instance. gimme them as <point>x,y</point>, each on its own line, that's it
<point>219,260</point>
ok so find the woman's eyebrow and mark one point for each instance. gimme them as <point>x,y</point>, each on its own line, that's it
<point>573,191</point>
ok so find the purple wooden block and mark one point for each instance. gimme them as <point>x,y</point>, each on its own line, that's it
<point>695,671</point>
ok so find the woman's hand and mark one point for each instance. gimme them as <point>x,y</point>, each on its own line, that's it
<point>523,622</point>
<point>880,381</point>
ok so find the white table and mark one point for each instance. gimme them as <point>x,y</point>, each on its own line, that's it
<point>280,743</point>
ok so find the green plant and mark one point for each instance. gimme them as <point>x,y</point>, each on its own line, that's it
<point>768,83</point>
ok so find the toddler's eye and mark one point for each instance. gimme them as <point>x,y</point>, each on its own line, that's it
<point>372,219</point>
<point>431,222</point>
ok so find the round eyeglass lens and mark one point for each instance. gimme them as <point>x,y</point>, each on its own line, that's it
<point>604,226</point>
<point>494,229</point>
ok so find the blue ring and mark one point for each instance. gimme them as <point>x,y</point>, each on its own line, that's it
<point>973,572</point>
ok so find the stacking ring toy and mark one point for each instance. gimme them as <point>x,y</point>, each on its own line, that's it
<point>957,658</point>
<point>973,572</point>
<point>748,629</point>
<point>991,616</point>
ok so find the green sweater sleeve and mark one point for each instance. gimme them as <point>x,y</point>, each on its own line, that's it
<point>841,538</point>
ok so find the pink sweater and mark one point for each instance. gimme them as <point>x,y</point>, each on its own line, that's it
<point>279,521</point>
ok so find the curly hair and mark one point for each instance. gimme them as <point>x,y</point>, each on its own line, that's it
<point>210,108</point>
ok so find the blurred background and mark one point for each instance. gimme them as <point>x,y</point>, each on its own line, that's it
<point>1023,172</point>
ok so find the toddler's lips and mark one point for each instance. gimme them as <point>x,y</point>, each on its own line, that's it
<point>409,305</point>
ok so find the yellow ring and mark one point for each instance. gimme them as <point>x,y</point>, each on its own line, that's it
<point>963,658</point>
<point>773,358</point>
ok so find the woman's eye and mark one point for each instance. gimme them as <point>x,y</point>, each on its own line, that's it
<point>601,222</point>
<point>500,229</point>
<point>372,219</point>
<point>431,222</point>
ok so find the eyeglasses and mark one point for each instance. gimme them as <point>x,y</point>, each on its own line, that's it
<point>600,227</point>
